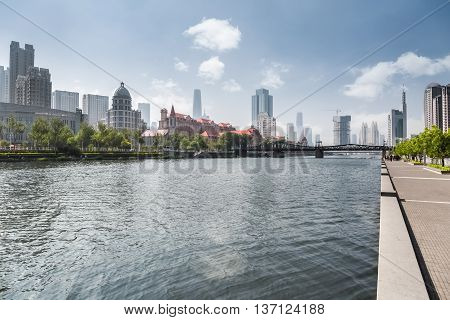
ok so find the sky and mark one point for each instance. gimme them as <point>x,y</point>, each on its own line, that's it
<point>163,50</point>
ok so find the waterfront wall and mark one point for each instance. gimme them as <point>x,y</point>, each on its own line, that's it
<point>399,276</point>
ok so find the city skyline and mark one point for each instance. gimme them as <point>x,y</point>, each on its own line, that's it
<point>368,92</point>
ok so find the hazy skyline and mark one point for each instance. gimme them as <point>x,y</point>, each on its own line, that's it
<point>228,50</point>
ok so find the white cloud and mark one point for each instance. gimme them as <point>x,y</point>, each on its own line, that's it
<point>180,65</point>
<point>373,80</point>
<point>231,86</point>
<point>211,70</point>
<point>166,93</point>
<point>272,75</point>
<point>214,34</point>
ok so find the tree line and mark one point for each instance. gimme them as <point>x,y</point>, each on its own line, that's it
<point>433,143</point>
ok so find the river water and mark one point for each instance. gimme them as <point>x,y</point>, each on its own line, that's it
<point>290,228</point>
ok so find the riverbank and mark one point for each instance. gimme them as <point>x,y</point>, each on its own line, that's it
<point>20,156</point>
<point>419,205</point>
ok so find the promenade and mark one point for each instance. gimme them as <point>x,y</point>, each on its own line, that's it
<point>425,198</point>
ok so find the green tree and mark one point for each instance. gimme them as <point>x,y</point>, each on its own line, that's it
<point>15,128</point>
<point>85,136</point>
<point>39,134</point>
<point>59,135</point>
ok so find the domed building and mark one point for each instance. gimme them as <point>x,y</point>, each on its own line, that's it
<point>121,115</point>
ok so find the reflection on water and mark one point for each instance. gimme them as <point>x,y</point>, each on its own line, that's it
<point>291,228</point>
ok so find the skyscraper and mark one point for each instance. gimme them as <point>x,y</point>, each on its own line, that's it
<point>374,134</point>
<point>307,133</point>
<point>437,106</point>
<point>19,62</point>
<point>144,108</point>
<point>389,139</point>
<point>405,114</point>
<point>396,126</point>
<point>354,139</point>
<point>290,132</point>
<point>4,84</point>
<point>299,125</point>
<point>96,108</point>
<point>65,100</point>
<point>197,104</point>
<point>364,134</point>
<point>317,138</point>
<point>262,101</point>
<point>34,88</point>
<point>341,130</point>
<point>382,139</point>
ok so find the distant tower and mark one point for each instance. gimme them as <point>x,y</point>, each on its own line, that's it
<point>262,101</point>
<point>19,62</point>
<point>299,125</point>
<point>197,105</point>
<point>405,114</point>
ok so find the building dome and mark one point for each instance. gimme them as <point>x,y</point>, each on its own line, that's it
<point>122,92</point>
<point>433,84</point>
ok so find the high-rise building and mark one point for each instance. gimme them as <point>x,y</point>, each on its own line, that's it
<point>262,101</point>
<point>354,139</point>
<point>307,133</point>
<point>197,104</point>
<point>437,106</point>
<point>382,139</point>
<point>144,108</point>
<point>4,84</point>
<point>34,88</point>
<point>65,100</point>
<point>405,114</point>
<point>364,134</point>
<point>20,60</point>
<point>266,125</point>
<point>290,132</point>
<point>396,126</point>
<point>299,125</point>
<point>96,108</point>
<point>374,134</point>
<point>389,139</point>
<point>341,130</point>
<point>121,115</point>
<point>317,138</point>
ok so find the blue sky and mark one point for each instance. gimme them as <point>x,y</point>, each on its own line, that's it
<point>228,49</point>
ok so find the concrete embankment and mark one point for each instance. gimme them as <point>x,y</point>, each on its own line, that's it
<point>399,275</point>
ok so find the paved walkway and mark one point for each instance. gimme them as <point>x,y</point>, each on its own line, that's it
<point>425,197</point>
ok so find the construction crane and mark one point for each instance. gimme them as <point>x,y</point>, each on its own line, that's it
<point>337,110</point>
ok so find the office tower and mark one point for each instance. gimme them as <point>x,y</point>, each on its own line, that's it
<point>65,100</point>
<point>437,106</point>
<point>299,125</point>
<point>382,139</point>
<point>19,62</point>
<point>389,139</point>
<point>34,88</point>
<point>364,134</point>
<point>307,133</point>
<point>405,115</point>
<point>317,138</point>
<point>290,132</point>
<point>266,125</point>
<point>262,101</point>
<point>374,134</point>
<point>354,139</point>
<point>144,108</point>
<point>4,84</point>
<point>121,115</point>
<point>396,126</point>
<point>341,130</point>
<point>96,107</point>
<point>197,104</point>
